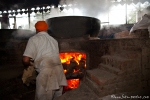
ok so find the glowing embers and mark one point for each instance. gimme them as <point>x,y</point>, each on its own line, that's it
<point>72,84</point>
<point>74,64</point>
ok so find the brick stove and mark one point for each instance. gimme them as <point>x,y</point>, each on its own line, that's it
<point>72,33</point>
<point>77,47</point>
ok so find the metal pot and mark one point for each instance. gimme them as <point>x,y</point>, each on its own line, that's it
<point>73,26</point>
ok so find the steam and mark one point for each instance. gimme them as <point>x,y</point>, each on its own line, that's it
<point>23,33</point>
<point>111,30</point>
<point>141,13</point>
<point>89,7</point>
<point>92,9</point>
<point>147,10</point>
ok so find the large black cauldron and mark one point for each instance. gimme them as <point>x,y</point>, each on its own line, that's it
<point>73,26</point>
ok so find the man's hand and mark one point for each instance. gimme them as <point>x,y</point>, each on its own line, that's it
<point>26,61</point>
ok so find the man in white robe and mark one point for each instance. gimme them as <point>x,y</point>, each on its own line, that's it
<point>44,50</point>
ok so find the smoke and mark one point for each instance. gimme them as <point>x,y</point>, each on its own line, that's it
<point>143,11</point>
<point>111,30</point>
<point>147,10</point>
<point>23,33</point>
<point>91,8</point>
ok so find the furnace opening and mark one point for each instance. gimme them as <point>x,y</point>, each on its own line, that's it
<point>74,64</point>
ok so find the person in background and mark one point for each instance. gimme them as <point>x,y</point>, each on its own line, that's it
<point>44,50</point>
<point>141,27</point>
<point>142,24</point>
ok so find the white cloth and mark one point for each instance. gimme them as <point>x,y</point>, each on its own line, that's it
<point>43,49</point>
<point>29,75</point>
<point>48,95</point>
<point>51,74</point>
<point>50,78</point>
<point>142,24</point>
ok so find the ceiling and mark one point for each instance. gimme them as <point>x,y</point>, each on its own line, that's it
<point>18,4</point>
<point>130,1</point>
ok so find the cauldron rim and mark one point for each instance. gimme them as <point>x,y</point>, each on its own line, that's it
<point>73,17</point>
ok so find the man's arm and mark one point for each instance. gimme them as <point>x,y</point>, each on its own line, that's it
<point>26,61</point>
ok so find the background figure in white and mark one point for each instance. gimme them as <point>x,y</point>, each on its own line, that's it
<point>142,24</point>
<point>5,22</point>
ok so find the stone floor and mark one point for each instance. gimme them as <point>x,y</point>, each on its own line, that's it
<point>85,93</point>
<point>14,89</point>
<point>81,93</point>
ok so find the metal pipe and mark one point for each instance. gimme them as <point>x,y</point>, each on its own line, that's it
<point>126,12</point>
<point>42,14</point>
<point>29,21</point>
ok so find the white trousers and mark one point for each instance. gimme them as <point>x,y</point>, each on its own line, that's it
<point>41,94</point>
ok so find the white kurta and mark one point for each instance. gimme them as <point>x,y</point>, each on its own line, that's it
<point>43,49</point>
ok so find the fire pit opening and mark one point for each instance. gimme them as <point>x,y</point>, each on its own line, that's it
<point>74,64</point>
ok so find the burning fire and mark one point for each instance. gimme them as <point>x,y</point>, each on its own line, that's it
<point>73,58</point>
<point>66,57</point>
<point>72,84</point>
<point>74,64</point>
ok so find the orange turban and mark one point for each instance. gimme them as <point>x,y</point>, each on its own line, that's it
<point>41,26</point>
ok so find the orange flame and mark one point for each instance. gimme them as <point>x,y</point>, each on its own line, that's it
<point>65,59</point>
<point>72,84</point>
